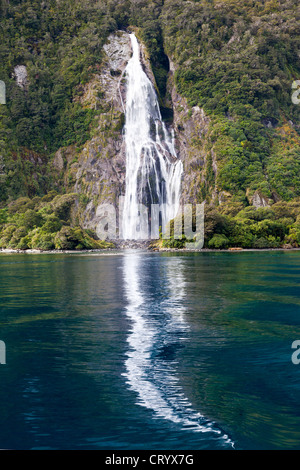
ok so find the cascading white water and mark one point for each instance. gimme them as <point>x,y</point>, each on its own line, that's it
<point>153,171</point>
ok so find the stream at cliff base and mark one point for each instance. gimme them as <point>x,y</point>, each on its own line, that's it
<point>135,350</point>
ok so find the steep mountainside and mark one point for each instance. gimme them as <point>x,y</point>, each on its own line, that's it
<point>223,70</point>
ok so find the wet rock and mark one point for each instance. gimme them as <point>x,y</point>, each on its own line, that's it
<point>21,76</point>
<point>97,173</point>
<point>133,244</point>
<point>258,200</point>
<point>191,127</point>
<point>58,161</point>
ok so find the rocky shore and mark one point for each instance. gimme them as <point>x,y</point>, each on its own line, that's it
<point>142,245</point>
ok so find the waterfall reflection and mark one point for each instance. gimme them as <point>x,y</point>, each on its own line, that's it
<point>156,307</point>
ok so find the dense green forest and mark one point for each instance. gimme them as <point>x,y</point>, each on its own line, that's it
<point>235,59</point>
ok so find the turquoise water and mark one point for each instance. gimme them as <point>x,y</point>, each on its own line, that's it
<point>138,350</point>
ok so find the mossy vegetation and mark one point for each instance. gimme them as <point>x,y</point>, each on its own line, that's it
<point>45,223</point>
<point>60,44</point>
<point>277,226</point>
<point>235,59</point>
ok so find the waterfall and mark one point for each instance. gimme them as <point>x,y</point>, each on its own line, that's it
<point>153,171</point>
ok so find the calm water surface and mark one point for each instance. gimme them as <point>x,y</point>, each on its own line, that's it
<point>154,351</point>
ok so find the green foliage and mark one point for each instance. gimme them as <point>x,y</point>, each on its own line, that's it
<point>31,219</point>
<point>60,52</point>
<point>257,214</point>
<point>40,240</point>
<point>146,15</point>
<point>174,243</point>
<point>215,222</point>
<point>218,241</point>
<point>61,205</point>
<point>266,242</point>
<point>20,205</point>
<point>236,59</point>
<point>6,234</point>
<point>24,243</point>
<point>250,228</point>
<point>47,225</point>
<point>52,224</point>
<point>76,239</point>
<point>60,43</point>
<point>3,216</point>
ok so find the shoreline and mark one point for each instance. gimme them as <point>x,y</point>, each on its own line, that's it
<point>118,250</point>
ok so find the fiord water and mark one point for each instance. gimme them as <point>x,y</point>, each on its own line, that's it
<point>139,350</point>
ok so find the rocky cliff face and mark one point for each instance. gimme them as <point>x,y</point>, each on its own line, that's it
<point>191,128</point>
<point>97,173</point>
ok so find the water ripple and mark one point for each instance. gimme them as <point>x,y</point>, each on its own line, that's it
<point>158,330</point>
